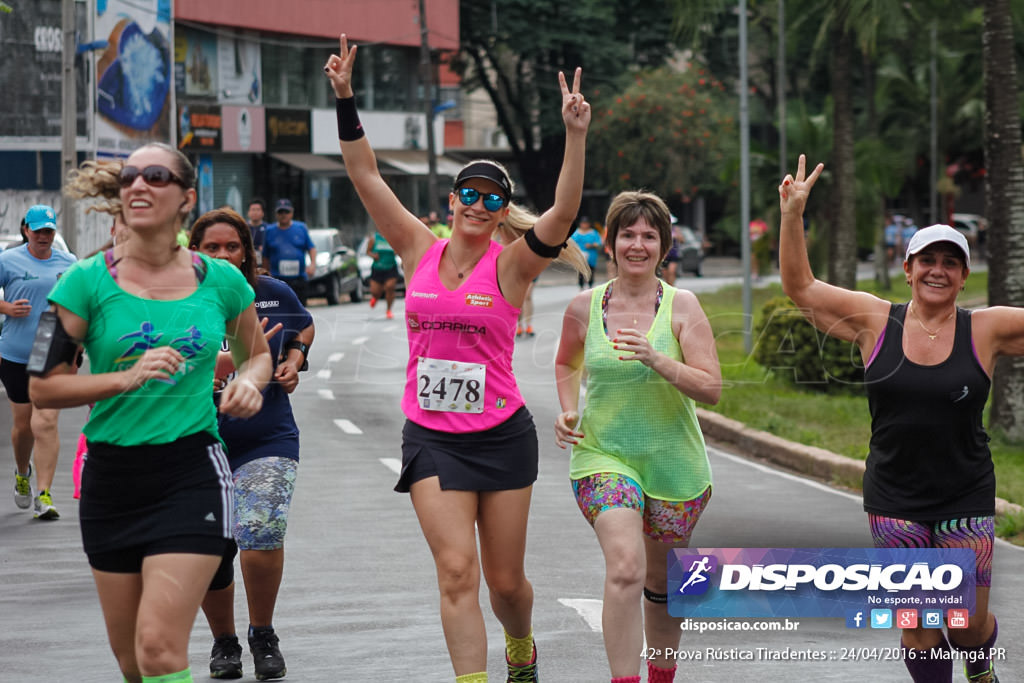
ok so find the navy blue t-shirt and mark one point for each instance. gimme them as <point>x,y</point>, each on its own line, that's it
<point>272,431</point>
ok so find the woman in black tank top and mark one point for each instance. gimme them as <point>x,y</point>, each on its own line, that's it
<point>929,480</point>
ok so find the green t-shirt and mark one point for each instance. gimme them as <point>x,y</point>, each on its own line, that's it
<point>636,423</point>
<point>386,253</point>
<point>122,326</point>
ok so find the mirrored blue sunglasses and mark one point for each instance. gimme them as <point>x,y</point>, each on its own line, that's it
<point>492,200</point>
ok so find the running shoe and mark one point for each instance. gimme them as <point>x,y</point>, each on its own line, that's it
<point>226,658</point>
<point>519,332</point>
<point>45,508</point>
<point>526,673</point>
<point>986,677</point>
<point>529,331</point>
<point>373,301</point>
<point>266,655</point>
<point>390,315</point>
<point>23,489</point>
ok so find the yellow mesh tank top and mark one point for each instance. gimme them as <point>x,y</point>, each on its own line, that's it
<point>636,423</point>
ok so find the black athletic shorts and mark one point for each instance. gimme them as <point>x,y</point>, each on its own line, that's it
<point>384,274</point>
<point>15,380</point>
<point>498,459</point>
<point>152,499</point>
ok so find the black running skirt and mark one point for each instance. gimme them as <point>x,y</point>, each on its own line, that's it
<point>133,495</point>
<point>497,459</point>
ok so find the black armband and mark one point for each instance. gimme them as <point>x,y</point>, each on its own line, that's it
<point>541,249</point>
<point>349,127</point>
<point>657,598</point>
<point>304,348</point>
<point>52,346</point>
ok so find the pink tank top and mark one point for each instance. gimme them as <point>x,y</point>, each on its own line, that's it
<point>459,343</point>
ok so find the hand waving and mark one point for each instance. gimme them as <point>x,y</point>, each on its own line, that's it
<point>339,68</point>
<point>575,109</point>
<point>793,192</point>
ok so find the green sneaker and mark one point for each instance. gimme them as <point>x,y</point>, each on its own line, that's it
<point>984,677</point>
<point>23,489</point>
<point>45,508</point>
<point>525,673</point>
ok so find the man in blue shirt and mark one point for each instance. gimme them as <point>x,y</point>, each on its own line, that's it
<point>27,274</point>
<point>287,245</point>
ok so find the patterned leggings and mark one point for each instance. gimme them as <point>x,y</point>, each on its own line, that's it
<point>263,494</point>
<point>665,521</point>
<point>975,533</point>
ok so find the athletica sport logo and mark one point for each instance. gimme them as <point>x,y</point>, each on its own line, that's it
<point>696,577</point>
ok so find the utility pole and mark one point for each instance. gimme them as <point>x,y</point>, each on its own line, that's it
<point>427,71</point>
<point>748,315</point>
<point>69,119</point>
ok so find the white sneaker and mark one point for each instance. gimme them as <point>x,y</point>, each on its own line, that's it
<point>23,489</point>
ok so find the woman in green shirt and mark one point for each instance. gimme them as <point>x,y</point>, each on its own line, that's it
<point>639,468</point>
<point>156,487</point>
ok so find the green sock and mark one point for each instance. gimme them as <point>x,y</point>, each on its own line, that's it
<point>519,650</point>
<point>479,677</point>
<point>183,676</point>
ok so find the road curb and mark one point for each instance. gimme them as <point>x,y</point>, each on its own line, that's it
<point>810,460</point>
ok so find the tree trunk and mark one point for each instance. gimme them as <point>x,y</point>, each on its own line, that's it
<point>842,235</point>
<point>1004,199</point>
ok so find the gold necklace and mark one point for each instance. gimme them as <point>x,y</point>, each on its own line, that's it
<point>931,335</point>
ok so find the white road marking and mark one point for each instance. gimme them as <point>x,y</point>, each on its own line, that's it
<point>587,608</point>
<point>785,475</point>
<point>326,394</point>
<point>323,374</point>
<point>393,464</point>
<point>335,357</point>
<point>347,427</point>
<point>359,341</point>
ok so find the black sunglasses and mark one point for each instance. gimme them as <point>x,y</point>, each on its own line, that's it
<point>492,200</point>
<point>154,176</point>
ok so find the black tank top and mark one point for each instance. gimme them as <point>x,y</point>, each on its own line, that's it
<point>929,457</point>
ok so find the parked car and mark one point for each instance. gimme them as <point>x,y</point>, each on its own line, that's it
<point>691,253</point>
<point>366,265</point>
<point>337,269</point>
<point>971,225</point>
<point>14,239</point>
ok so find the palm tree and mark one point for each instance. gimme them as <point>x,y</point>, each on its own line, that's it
<point>1004,199</point>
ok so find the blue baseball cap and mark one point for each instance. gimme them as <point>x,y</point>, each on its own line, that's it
<point>40,217</point>
<point>283,205</point>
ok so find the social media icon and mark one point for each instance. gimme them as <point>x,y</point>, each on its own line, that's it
<point>931,618</point>
<point>881,618</point>
<point>855,618</point>
<point>957,618</point>
<point>906,618</point>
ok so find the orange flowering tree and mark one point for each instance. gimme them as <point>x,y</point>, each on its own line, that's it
<point>672,132</point>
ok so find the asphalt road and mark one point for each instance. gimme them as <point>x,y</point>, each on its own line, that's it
<point>359,600</point>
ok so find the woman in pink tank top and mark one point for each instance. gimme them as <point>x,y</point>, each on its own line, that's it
<point>469,452</point>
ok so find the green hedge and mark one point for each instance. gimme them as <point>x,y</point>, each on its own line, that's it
<point>790,347</point>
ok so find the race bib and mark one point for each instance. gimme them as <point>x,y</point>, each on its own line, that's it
<point>450,386</point>
<point>288,267</point>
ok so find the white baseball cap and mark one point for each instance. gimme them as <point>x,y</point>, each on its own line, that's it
<point>938,233</point>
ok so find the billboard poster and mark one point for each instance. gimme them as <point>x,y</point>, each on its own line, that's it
<point>195,62</point>
<point>288,130</point>
<point>238,69</point>
<point>31,42</point>
<point>199,127</point>
<point>133,75</point>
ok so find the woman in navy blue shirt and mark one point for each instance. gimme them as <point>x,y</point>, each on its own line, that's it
<point>263,452</point>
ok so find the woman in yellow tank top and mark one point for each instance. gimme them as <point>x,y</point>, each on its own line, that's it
<point>639,468</point>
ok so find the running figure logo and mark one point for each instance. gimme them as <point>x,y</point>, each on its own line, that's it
<point>697,569</point>
<point>147,337</point>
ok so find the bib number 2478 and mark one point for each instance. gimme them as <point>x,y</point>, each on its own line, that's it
<point>451,386</point>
